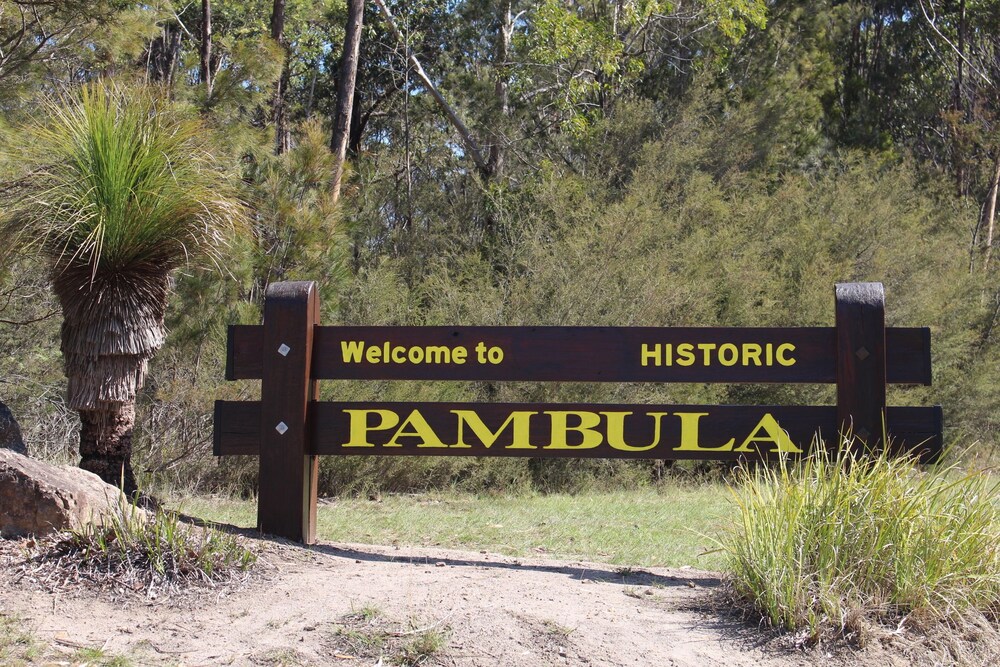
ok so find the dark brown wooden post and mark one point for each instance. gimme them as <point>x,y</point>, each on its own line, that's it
<point>861,376</point>
<point>288,472</point>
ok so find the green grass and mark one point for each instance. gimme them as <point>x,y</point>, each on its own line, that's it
<point>636,528</point>
<point>99,658</point>
<point>834,549</point>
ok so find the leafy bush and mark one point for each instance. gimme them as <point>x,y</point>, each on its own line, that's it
<point>837,544</point>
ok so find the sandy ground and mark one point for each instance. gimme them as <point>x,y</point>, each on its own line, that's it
<point>322,605</point>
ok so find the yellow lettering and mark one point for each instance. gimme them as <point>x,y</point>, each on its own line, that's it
<point>586,428</point>
<point>438,354</point>
<point>775,434</point>
<point>359,425</point>
<point>653,354</point>
<point>730,350</point>
<point>707,349</point>
<point>416,355</point>
<point>751,352</point>
<point>521,429</point>
<point>685,354</point>
<point>399,355</point>
<point>419,428</point>
<point>459,355</point>
<point>616,430</point>
<point>782,359</point>
<point>689,435</point>
<point>351,351</point>
<point>372,355</point>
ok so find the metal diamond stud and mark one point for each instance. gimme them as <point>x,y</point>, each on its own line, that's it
<point>283,350</point>
<point>281,428</point>
<point>862,353</point>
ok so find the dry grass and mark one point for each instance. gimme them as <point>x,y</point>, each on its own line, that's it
<point>136,552</point>
<point>369,635</point>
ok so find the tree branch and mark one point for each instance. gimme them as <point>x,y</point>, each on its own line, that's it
<point>930,21</point>
<point>22,323</point>
<point>470,143</point>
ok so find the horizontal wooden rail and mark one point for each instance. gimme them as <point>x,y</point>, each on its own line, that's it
<point>290,352</point>
<point>530,429</point>
<point>583,354</point>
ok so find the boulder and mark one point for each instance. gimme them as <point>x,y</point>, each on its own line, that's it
<point>37,498</point>
<point>10,432</point>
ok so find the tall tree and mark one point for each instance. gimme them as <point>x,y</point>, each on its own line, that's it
<point>205,69</point>
<point>119,191</point>
<point>345,91</point>
<point>279,106</point>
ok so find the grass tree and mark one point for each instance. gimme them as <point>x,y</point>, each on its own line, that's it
<point>120,190</point>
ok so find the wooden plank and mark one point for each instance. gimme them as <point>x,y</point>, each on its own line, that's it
<point>908,355</point>
<point>244,343</point>
<point>330,429</point>
<point>288,470</point>
<point>236,428</point>
<point>589,354</point>
<point>861,361</point>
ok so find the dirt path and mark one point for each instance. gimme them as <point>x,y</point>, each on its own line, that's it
<point>347,604</point>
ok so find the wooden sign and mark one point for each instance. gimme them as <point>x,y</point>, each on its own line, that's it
<point>721,432</point>
<point>583,354</point>
<point>290,352</point>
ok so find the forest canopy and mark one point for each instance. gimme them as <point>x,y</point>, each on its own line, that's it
<point>716,162</point>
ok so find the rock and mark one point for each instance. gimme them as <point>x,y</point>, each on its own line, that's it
<point>10,432</point>
<point>37,498</point>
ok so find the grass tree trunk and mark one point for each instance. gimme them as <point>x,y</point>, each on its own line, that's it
<point>112,326</point>
<point>106,444</point>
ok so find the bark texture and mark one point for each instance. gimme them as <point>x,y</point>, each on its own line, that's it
<point>106,444</point>
<point>345,91</point>
<point>279,105</point>
<point>164,53</point>
<point>205,71</point>
<point>112,326</point>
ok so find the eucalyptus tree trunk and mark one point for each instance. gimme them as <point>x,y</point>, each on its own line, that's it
<point>468,141</point>
<point>282,131</point>
<point>205,71</point>
<point>501,89</point>
<point>345,91</point>
<point>990,211</point>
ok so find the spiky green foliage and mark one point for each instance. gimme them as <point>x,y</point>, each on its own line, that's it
<point>120,190</point>
<point>839,542</point>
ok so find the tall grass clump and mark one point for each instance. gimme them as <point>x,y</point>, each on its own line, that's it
<point>152,551</point>
<point>835,545</point>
